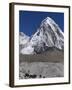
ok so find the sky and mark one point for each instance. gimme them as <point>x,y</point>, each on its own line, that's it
<point>29,21</point>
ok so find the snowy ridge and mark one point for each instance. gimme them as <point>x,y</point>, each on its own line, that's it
<point>48,35</point>
<point>23,38</point>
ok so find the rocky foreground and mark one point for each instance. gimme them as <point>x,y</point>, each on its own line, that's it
<point>40,70</point>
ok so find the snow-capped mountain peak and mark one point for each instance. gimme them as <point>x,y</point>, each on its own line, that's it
<point>55,27</point>
<point>48,35</point>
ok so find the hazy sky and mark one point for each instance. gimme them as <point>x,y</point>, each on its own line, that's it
<point>29,21</point>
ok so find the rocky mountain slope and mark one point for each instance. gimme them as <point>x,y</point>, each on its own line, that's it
<point>47,37</point>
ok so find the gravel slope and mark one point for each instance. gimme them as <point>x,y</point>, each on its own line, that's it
<point>41,70</point>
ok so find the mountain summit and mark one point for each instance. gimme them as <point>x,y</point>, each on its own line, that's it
<point>48,36</point>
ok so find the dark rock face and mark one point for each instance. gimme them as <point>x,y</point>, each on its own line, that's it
<point>27,75</point>
<point>33,76</point>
